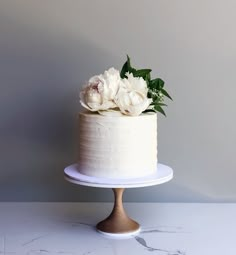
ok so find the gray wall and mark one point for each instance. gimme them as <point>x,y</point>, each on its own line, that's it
<point>49,48</point>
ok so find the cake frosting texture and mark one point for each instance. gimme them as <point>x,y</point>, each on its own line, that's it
<point>117,146</point>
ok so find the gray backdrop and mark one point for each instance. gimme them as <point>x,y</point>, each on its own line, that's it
<point>49,48</point>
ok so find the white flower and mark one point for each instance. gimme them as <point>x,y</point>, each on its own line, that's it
<point>100,91</point>
<point>132,96</point>
<point>135,83</point>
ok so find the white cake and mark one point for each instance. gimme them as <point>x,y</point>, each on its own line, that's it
<point>117,146</point>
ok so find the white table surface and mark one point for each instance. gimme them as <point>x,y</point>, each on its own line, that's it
<point>68,229</point>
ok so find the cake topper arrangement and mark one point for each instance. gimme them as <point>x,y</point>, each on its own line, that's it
<point>127,92</point>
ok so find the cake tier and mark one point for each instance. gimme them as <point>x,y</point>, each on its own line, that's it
<point>117,147</point>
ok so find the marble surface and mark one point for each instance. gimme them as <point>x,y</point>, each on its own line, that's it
<point>68,229</point>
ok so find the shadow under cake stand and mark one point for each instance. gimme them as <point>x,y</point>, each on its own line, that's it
<point>118,224</point>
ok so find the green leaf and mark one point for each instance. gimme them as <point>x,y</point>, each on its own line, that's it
<point>149,95</point>
<point>158,103</point>
<point>132,70</point>
<point>124,70</point>
<point>159,109</point>
<point>127,68</point>
<point>142,73</point>
<point>147,78</point>
<point>161,104</point>
<point>157,84</point>
<point>149,110</point>
<point>156,89</point>
<point>164,92</point>
<point>161,83</point>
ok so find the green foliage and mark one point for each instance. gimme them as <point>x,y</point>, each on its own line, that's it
<point>156,89</point>
<point>126,68</point>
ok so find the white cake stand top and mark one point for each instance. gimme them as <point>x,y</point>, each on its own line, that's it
<point>163,174</point>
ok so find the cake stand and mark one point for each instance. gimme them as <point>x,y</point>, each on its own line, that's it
<point>118,224</point>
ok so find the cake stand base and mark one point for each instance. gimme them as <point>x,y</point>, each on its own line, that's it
<point>118,224</point>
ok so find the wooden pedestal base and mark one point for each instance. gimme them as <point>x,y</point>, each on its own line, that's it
<point>118,221</point>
